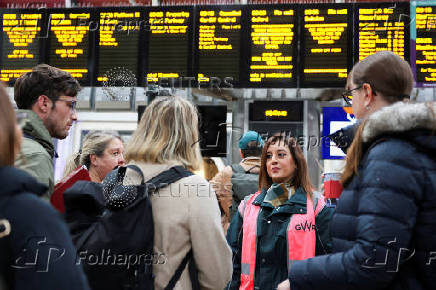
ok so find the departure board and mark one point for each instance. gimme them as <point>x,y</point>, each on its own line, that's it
<point>169,46</point>
<point>382,27</point>
<point>20,46</point>
<point>118,47</point>
<point>423,39</point>
<point>69,42</point>
<point>218,43</point>
<point>273,43</point>
<point>326,41</point>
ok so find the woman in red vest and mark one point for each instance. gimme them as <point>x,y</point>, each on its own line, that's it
<point>285,221</point>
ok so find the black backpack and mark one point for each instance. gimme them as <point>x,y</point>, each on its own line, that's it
<point>112,228</point>
<point>243,183</point>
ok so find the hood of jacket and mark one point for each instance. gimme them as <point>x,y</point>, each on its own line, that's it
<point>17,181</point>
<point>414,121</point>
<point>35,128</point>
<point>251,164</point>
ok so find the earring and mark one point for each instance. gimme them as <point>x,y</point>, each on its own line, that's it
<point>367,107</point>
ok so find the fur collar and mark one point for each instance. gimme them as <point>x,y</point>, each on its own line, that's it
<point>399,117</point>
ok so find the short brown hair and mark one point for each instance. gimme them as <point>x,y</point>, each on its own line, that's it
<point>387,73</point>
<point>301,175</point>
<point>7,129</point>
<point>43,80</point>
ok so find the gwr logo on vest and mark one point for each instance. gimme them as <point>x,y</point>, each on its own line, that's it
<point>304,226</point>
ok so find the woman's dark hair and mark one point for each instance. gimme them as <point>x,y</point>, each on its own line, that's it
<point>387,73</point>
<point>301,175</point>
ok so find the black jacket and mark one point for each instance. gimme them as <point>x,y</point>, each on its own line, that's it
<point>384,228</point>
<point>38,253</point>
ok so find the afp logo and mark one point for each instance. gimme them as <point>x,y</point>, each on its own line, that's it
<point>305,226</point>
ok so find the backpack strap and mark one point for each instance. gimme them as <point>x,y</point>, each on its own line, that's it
<point>169,176</point>
<point>163,179</point>
<point>179,271</point>
<point>237,168</point>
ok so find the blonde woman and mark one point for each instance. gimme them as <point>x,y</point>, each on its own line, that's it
<point>101,152</point>
<point>186,214</point>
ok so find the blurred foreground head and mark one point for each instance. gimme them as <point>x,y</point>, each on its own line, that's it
<point>10,133</point>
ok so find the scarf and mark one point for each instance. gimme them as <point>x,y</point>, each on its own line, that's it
<point>279,193</point>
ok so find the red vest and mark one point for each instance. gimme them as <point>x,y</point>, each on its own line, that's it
<point>301,237</point>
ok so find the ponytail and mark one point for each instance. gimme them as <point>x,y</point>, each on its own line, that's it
<point>72,163</point>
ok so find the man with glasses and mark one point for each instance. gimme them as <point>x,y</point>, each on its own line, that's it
<point>48,96</point>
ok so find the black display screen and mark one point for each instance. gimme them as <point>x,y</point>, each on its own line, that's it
<point>285,111</point>
<point>118,45</point>
<point>425,45</point>
<point>169,46</point>
<point>326,35</point>
<point>68,31</point>
<point>213,130</point>
<point>273,45</point>
<point>218,43</point>
<point>382,26</point>
<point>20,42</point>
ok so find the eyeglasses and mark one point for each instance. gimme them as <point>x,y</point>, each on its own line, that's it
<point>73,104</point>
<point>348,96</point>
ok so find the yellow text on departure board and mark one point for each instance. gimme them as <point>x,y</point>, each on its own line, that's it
<point>272,32</point>
<point>69,33</point>
<point>276,113</point>
<point>154,77</point>
<point>210,22</point>
<point>425,44</point>
<point>21,30</point>
<point>379,29</point>
<point>342,73</point>
<point>76,72</point>
<point>7,75</point>
<point>169,22</point>
<point>117,21</point>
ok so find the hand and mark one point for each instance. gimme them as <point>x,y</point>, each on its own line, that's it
<point>285,285</point>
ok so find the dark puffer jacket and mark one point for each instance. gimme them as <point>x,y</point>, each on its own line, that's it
<point>38,253</point>
<point>384,228</point>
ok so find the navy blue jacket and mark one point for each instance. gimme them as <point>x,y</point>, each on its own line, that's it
<point>384,228</point>
<point>38,253</point>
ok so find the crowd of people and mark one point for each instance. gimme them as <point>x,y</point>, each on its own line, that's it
<point>259,224</point>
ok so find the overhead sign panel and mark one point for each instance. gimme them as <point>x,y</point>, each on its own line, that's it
<point>218,43</point>
<point>20,42</point>
<point>326,41</point>
<point>273,46</point>
<point>169,47</point>
<point>69,41</point>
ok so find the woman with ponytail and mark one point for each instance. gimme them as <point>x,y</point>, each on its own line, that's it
<point>383,230</point>
<point>101,152</point>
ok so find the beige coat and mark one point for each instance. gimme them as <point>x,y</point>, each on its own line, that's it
<point>186,215</point>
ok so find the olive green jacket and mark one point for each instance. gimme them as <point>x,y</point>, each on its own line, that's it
<point>37,151</point>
